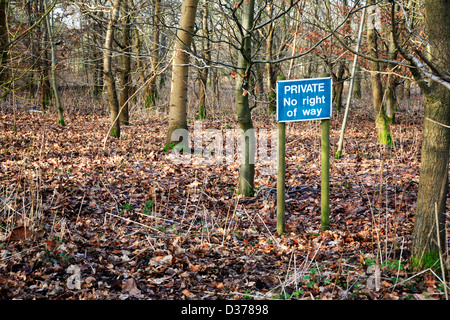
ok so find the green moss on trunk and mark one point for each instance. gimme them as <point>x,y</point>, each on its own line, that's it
<point>201,112</point>
<point>429,260</point>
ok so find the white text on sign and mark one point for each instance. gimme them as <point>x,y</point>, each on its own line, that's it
<point>306,99</point>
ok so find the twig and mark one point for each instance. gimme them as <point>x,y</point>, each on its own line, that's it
<point>440,251</point>
<point>399,264</point>
<point>81,206</point>
<point>441,124</point>
<point>132,221</point>
<point>417,274</point>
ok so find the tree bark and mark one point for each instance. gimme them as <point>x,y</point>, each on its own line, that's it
<point>125,73</point>
<point>392,83</point>
<point>46,93</point>
<point>33,45</point>
<point>4,39</point>
<point>339,86</point>
<point>270,72</point>
<point>407,89</point>
<point>433,183</point>
<point>207,54</point>
<point>350,89</point>
<point>357,89</point>
<point>107,71</point>
<point>139,63</point>
<point>178,93</point>
<point>152,93</point>
<point>384,136</point>
<point>97,54</point>
<point>49,22</point>
<point>247,173</point>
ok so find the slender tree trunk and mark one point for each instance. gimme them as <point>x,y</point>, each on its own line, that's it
<point>384,136</point>
<point>4,39</point>
<point>49,22</point>
<point>107,71</point>
<point>125,74</point>
<point>33,45</point>
<point>207,54</point>
<point>400,93</point>
<point>152,93</point>
<point>46,93</point>
<point>341,67</point>
<point>139,64</point>
<point>391,83</point>
<point>433,184</point>
<point>178,93</point>
<point>270,72</point>
<point>357,88</point>
<point>98,71</point>
<point>294,47</point>
<point>247,173</point>
<point>407,89</point>
<point>339,86</point>
<point>350,89</point>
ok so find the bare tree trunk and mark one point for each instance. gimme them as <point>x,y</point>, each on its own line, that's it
<point>407,89</point>
<point>152,93</point>
<point>391,84</point>
<point>433,183</point>
<point>270,72</point>
<point>339,86</point>
<point>350,89</point>
<point>125,75</point>
<point>384,136</point>
<point>139,64</point>
<point>4,39</point>
<point>107,71</point>
<point>178,92</point>
<point>357,89</point>
<point>49,21</point>
<point>98,63</point>
<point>33,45</point>
<point>46,93</point>
<point>207,55</point>
<point>247,173</point>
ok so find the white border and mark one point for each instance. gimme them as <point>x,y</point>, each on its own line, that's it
<point>297,80</point>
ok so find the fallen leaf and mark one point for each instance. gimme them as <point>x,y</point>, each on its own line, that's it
<point>220,286</point>
<point>131,287</point>
<point>188,294</point>
<point>195,268</point>
<point>89,280</point>
<point>50,244</point>
<point>19,233</point>
<point>161,261</point>
<point>420,296</point>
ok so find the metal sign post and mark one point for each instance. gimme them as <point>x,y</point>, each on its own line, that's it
<point>304,100</point>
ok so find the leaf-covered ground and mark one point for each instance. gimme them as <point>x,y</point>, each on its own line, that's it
<point>82,218</point>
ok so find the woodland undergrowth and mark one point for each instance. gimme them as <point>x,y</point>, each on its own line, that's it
<point>85,219</point>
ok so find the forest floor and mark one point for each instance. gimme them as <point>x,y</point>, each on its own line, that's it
<point>82,218</point>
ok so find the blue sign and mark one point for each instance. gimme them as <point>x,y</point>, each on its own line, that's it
<point>306,99</point>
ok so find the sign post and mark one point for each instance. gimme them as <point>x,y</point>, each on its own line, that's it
<point>281,177</point>
<point>325,175</point>
<point>281,173</point>
<point>304,100</point>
